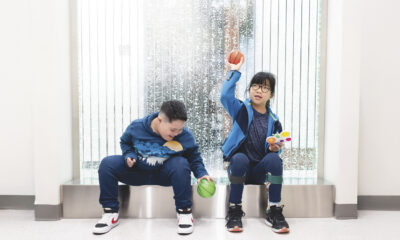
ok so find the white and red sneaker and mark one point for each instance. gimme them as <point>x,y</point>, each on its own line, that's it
<point>185,221</point>
<point>107,222</point>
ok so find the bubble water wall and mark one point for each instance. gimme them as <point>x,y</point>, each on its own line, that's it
<point>133,55</point>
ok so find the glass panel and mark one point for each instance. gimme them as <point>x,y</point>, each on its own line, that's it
<point>133,55</point>
<point>186,46</point>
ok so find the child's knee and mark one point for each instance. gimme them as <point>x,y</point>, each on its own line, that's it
<point>239,160</point>
<point>273,163</point>
<point>178,165</point>
<point>179,161</point>
<point>110,162</point>
<point>237,168</point>
<point>105,163</point>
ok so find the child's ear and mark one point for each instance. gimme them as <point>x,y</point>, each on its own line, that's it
<point>159,118</point>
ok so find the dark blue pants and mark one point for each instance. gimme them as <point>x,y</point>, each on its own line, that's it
<point>175,171</point>
<point>255,173</point>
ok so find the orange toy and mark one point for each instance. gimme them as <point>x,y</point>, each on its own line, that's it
<point>235,56</point>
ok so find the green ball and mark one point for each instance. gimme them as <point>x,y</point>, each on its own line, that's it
<point>206,188</point>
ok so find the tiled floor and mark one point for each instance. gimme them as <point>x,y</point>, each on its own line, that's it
<point>381,225</point>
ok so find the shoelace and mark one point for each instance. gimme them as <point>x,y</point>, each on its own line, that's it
<point>185,218</point>
<point>234,214</point>
<point>278,214</point>
<point>106,218</point>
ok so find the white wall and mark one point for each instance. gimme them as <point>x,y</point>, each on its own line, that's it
<point>16,140</point>
<point>379,160</point>
<point>36,153</point>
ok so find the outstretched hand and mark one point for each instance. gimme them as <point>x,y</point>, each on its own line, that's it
<point>237,66</point>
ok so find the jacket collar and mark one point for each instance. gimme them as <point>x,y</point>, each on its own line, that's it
<point>247,102</point>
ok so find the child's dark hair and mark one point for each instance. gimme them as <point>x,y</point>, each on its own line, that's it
<point>174,110</point>
<point>261,78</point>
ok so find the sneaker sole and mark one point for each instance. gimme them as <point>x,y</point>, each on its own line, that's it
<point>235,229</point>
<point>282,230</point>
<point>100,231</point>
<point>185,231</point>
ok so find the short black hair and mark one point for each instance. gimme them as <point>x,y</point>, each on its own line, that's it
<point>174,110</point>
<point>261,78</point>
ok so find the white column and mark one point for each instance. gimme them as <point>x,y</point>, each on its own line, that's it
<point>342,99</point>
<point>52,137</point>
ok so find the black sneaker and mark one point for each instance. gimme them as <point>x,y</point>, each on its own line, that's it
<point>107,222</point>
<point>276,220</point>
<point>234,219</point>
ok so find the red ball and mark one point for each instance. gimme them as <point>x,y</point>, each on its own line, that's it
<point>235,56</point>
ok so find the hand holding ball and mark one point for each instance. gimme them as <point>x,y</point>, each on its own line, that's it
<point>235,56</point>
<point>206,189</point>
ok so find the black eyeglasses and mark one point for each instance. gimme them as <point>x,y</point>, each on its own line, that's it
<point>264,88</point>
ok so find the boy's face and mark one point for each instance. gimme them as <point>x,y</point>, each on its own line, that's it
<point>168,130</point>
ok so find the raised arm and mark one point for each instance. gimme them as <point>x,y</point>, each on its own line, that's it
<point>228,98</point>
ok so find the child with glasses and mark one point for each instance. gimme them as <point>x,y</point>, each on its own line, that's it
<point>251,159</point>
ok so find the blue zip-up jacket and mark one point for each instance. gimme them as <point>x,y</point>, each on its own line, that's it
<point>242,116</point>
<point>140,142</point>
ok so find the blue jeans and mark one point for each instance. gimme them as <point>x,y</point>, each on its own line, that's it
<point>255,173</point>
<point>175,171</point>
